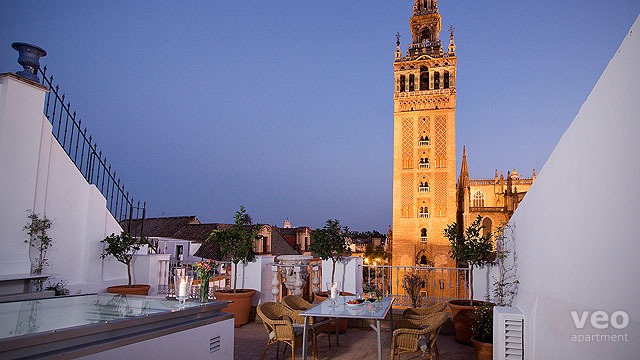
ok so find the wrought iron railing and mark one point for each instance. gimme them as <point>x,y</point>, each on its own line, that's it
<point>440,284</point>
<point>166,271</point>
<point>90,161</point>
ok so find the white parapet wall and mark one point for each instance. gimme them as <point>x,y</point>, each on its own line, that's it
<point>575,232</point>
<point>348,273</point>
<point>38,176</point>
<point>256,275</point>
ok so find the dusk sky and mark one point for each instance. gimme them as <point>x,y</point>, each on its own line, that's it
<point>286,107</point>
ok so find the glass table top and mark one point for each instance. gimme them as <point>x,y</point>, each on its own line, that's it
<point>42,315</point>
<point>367,310</point>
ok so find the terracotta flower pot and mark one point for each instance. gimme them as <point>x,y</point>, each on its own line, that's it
<point>462,314</point>
<point>136,289</point>
<point>241,305</point>
<point>484,351</point>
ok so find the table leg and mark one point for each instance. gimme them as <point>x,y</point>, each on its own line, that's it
<point>304,338</point>
<point>379,342</point>
<point>337,336</point>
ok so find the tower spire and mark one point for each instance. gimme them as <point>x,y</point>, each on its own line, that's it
<point>425,24</point>
<point>398,52</point>
<point>452,45</point>
<point>463,179</point>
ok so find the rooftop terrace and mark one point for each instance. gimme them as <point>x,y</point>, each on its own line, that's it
<point>358,343</point>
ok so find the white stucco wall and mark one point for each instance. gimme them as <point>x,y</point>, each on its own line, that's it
<point>37,175</point>
<point>256,275</point>
<point>20,130</point>
<point>575,232</point>
<point>348,272</point>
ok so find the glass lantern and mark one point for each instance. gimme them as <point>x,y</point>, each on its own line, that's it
<point>182,282</point>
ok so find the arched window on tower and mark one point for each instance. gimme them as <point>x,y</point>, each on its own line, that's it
<point>412,81</point>
<point>424,212</point>
<point>478,199</point>
<point>425,35</point>
<point>424,141</point>
<point>423,235</point>
<point>436,80</point>
<point>402,83</point>
<point>487,224</point>
<point>424,78</point>
<point>424,187</point>
<point>424,163</point>
<point>446,79</point>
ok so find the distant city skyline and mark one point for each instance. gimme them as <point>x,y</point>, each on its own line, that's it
<point>287,107</point>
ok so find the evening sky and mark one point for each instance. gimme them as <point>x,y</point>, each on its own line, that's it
<point>286,107</point>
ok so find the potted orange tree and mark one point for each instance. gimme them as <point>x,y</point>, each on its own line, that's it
<point>474,249</point>
<point>329,243</point>
<point>123,247</point>
<point>237,245</point>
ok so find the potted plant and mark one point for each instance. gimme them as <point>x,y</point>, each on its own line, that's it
<point>505,288</point>
<point>330,243</point>
<point>483,331</point>
<point>123,247</point>
<point>412,283</point>
<point>473,249</point>
<point>237,245</point>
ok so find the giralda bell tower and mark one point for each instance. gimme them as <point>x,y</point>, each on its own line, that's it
<point>424,141</point>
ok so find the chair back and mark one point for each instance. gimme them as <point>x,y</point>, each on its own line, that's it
<point>435,322</point>
<point>296,302</point>
<point>277,321</point>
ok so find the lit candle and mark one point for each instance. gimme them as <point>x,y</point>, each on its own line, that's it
<point>182,289</point>
<point>334,291</point>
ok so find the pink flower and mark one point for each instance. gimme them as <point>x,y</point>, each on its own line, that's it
<point>205,268</point>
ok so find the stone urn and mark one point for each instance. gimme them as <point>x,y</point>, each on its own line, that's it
<point>295,269</point>
<point>29,57</point>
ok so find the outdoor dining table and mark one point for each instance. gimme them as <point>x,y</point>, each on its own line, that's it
<point>341,309</point>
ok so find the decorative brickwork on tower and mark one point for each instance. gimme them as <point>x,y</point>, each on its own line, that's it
<point>425,195</point>
<point>424,170</point>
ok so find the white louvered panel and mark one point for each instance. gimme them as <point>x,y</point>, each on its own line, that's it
<point>508,333</point>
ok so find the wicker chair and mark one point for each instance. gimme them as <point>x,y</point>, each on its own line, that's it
<point>414,335</point>
<point>282,325</point>
<point>417,313</point>
<point>317,325</point>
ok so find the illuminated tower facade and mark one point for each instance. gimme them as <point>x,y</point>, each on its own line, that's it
<point>424,140</point>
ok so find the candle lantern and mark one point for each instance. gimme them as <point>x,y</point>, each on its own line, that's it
<point>334,291</point>
<point>182,281</point>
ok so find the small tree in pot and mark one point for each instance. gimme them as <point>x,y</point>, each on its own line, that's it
<point>470,247</point>
<point>474,249</point>
<point>123,247</point>
<point>237,245</point>
<point>329,243</point>
<point>237,242</point>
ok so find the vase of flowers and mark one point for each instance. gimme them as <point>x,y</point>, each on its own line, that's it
<point>205,270</point>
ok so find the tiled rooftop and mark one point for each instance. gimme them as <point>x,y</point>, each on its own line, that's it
<point>358,343</point>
